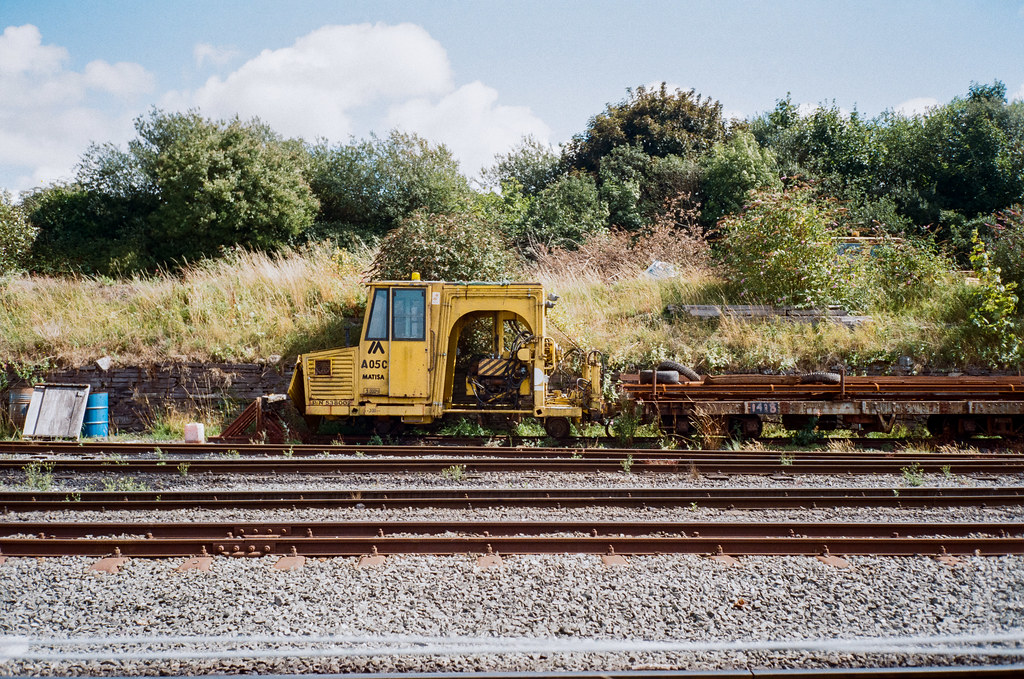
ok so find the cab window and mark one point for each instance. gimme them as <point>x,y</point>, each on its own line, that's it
<point>377,328</point>
<point>410,308</point>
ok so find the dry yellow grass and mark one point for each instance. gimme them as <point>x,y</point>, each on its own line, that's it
<point>250,305</point>
<point>627,320</point>
<point>240,308</point>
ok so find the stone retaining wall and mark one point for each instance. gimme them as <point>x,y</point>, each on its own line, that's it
<point>134,392</point>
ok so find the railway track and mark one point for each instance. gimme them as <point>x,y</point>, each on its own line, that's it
<point>269,460</point>
<point>355,538</point>
<point>467,445</point>
<point>687,498</point>
<point>633,461</point>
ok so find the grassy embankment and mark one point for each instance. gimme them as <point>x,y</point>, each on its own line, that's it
<point>251,306</point>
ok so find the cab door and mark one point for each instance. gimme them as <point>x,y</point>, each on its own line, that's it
<point>375,347</point>
<point>409,362</point>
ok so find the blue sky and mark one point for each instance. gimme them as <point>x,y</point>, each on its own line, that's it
<point>474,75</point>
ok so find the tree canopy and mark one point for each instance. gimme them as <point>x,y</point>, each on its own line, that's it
<point>188,187</point>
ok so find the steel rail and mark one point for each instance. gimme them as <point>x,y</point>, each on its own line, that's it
<point>92,449</point>
<point>690,498</point>
<point>929,672</point>
<point>217,530</point>
<point>676,462</point>
<point>443,537</point>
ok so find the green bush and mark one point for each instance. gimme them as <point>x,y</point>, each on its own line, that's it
<point>993,308</point>
<point>731,170</point>
<point>16,235</point>
<point>564,214</point>
<point>1008,244</point>
<point>444,247</point>
<point>906,272</point>
<point>780,250</point>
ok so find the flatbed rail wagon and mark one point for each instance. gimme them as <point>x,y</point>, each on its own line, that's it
<point>956,407</point>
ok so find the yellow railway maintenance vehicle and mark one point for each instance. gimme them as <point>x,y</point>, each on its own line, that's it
<point>431,348</point>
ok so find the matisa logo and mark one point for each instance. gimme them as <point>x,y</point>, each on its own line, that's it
<point>376,348</point>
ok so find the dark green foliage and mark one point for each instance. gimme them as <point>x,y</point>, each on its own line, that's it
<point>186,188</point>
<point>942,169</point>
<point>636,186</point>
<point>367,187</point>
<point>89,231</point>
<point>444,247</point>
<point>16,235</point>
<point>660,122</point>
<point>531,165</point>
<point>731,170</point>
<point>220,185</point>
<point>563,214</point>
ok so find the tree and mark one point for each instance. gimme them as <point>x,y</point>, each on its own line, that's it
<point>366,188</point>
<point>976,160</point>
<point>731,170</point>
<point>82,230</point>
<point>636,186</point>
<point>661,122</point>
<point>186,187</point>
<point>444,247</point>
<point>220,184</point>
<point>16,235</point>
<point>531,164</point>
<point>563,214</point>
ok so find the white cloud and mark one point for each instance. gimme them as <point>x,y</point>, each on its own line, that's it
<point>470,122</point>
<point>916,106</point>
<point>312,88</point>
<point>343,80</point>
<point>217,56</point>
<point>22,51</point>
<point>122,79</point>
<point>49,114</point>
<point>1019,94</point>
<point>333,82</point>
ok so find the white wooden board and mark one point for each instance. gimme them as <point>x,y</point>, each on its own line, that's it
<point>56,411</point>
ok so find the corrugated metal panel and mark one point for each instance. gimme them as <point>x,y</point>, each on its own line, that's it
<point>339,386</point>
<point>56,411</point>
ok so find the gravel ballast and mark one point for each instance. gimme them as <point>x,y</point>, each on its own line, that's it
<point>680,597</point>
<point>559,598</point>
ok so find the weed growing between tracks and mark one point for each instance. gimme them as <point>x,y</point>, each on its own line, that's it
<point>126,484</point>
<point>39,475</point>
<point>913,475</point>
<point>457,472</point>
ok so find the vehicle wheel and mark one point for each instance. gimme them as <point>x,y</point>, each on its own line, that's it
<point>684,371</point>
<point>743,427</point>
<point>557,427</point>
<point>664,377</point>
<point>821,378</point>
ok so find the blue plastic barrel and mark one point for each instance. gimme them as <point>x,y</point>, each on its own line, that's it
<point>95,423</point>
<point>18,405</point>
